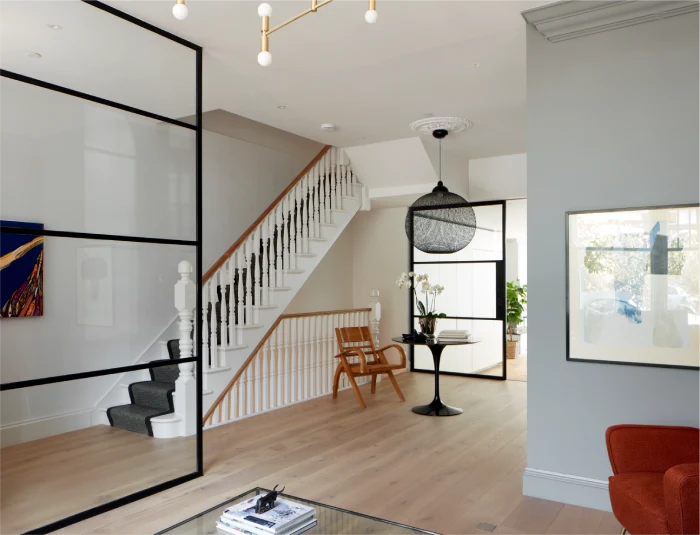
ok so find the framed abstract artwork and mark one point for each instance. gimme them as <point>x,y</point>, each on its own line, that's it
<point>632,286</point>
<point>21,272</point>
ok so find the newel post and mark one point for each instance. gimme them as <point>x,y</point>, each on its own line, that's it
<point>186,386</point>
<point>375,314</point>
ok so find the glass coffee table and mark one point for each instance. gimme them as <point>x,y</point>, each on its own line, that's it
<point>331,520</point>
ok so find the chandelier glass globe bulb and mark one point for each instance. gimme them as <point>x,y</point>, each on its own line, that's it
<point>265,59</point>
<point>180,11</point>
<point>264,10</point>
<point>371,16</point>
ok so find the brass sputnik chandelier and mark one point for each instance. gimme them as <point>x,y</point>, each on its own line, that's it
<point>180,12</point>
<point>265,11</point>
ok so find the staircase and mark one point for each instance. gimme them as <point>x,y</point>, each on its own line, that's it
<point>149,399</point>
<point>247,289</point>
<point>251,285</point>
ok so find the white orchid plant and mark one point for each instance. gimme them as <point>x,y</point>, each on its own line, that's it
<point>415,282</point>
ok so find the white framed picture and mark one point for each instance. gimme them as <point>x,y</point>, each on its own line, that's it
<point>632,286</point>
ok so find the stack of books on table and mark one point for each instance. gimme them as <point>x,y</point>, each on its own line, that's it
<point>285,518</point>
<point>454,335</point>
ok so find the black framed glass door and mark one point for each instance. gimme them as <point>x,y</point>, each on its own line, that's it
<point>474,296</point>
<point>101,203</point>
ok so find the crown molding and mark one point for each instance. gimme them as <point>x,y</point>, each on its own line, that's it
<point>569,19</point>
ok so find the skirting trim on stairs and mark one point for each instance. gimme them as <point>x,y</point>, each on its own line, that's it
<point>566,488</point>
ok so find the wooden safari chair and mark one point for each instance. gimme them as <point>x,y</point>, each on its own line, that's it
<point>357,341</point>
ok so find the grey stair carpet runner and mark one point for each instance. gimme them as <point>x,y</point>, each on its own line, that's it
<point>148,398</point>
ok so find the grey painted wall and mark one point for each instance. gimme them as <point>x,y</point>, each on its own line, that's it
<point>613,122</point>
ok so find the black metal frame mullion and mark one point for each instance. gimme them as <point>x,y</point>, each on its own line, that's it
<point>500,288</point>
<point>197,243</point>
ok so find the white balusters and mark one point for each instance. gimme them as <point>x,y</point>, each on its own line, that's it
<point>296,362</point>
<point>265,287</point>
<point>328,196</point>
<point>230,322</point>
<point>278,265</point>
<point>249,282</point>
<point>304,380</point>
<point>266,378</point>
<point>258,388</point>
<point>213,321</point>
<point>332,175</point>
<point>321,366</point>
<point>336,174</point>
<point>288,377</point>
<point>309,200</point>
<point>293,233</point>
<point>257,287</point>
<point>299,248</point>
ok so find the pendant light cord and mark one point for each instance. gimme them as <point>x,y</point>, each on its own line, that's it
<point>440,161</point>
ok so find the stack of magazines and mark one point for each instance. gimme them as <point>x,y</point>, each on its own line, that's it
<point>454,335</point>
<point>285,518</point>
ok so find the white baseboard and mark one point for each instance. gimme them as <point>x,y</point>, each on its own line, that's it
<point>44,427</point>
<point>566,488</point>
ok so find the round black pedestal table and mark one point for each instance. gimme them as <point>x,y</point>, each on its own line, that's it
<point>436,407</point>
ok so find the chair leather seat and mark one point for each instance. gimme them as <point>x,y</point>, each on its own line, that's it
<point>638,501</point>
<point>375,368</point>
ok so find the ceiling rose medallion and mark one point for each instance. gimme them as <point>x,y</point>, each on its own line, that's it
<point>451,124</point>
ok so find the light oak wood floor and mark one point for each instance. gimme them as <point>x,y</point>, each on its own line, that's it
<point>442,474</point>
<point>48,479</point>
<point>516,368</point>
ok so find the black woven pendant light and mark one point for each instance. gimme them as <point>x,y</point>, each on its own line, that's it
<point>441,230</point>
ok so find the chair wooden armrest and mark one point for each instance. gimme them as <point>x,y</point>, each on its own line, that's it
<point>355,351</point>
<point>359,341</point>
<point>400,349</point>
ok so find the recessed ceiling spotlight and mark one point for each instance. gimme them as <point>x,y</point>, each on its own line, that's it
<point>33,55</point>
<point>328,127</point>
<point>477,65</point>
<point>281,107</point>
<point>55,26</point>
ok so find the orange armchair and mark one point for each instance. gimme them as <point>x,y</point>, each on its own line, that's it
<point>656,486</point>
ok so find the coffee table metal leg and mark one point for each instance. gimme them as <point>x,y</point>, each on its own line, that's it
<point>436,407</point>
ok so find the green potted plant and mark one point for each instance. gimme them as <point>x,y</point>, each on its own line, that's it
<point>426,308</point>
<point>516,299</point>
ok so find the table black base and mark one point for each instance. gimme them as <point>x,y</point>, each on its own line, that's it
<point>437,408</point>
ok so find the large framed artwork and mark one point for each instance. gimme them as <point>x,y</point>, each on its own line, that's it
<point>21,272</point>
<point>632,286</point>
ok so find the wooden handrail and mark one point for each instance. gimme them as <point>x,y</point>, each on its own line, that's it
<point>220,262</point>
<point>258,347</point>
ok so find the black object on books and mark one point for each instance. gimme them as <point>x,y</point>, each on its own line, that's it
<point>267,502</point>
<point>415,336</point>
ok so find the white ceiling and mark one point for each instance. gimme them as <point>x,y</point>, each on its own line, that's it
<point>369,80</point>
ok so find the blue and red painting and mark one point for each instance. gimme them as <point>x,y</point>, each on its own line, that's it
<point>21,272</point>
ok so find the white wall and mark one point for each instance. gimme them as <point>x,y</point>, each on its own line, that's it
<point>241,179</point>
<point>330,285</point>
<point>81,167</point>
<point>371,253</point>
<point>497,178</point>
<point>380,254</point>
<point>613,122</point>
<point>78,166</point>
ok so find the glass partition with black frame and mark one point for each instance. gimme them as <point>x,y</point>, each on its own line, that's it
<point>101,204</point>
<point>473,298</point>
